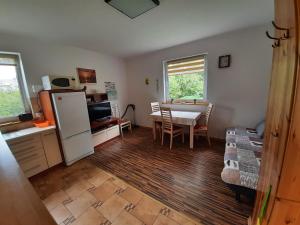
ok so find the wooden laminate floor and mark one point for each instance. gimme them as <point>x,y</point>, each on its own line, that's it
<point>186,180</point>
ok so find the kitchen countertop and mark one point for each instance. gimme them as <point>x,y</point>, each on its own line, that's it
<point>25,132</point>
<point>20,204</point>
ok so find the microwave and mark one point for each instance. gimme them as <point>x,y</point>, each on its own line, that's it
<point>51,82</point>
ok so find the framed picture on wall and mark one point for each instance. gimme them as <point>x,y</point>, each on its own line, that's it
<point>86,75</point>
<point>224,61</point>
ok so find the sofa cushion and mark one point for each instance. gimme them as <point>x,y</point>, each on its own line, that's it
<point>242,157</point>
<point>260,129</point>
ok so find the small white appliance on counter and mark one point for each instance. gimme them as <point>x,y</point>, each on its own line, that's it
<point>51,82</point>
<point>73,125</point>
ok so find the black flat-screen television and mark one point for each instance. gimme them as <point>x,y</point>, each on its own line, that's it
<point>99,111</point>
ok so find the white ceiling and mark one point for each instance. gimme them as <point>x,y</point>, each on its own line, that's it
<point>94,25</point>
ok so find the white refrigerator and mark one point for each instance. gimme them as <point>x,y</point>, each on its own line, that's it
<point>73,124</point>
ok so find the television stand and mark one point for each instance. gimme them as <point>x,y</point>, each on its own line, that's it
<point>104,130</point>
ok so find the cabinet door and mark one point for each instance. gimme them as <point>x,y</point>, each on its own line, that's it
<point>289,187</point>
<point>51,148</point>
<point>285,212</point>
<point>279,105</point>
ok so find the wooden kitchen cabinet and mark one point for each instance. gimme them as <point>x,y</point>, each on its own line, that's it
<point>51,148</point>
<point>35,151</point>
<point>29,153</point>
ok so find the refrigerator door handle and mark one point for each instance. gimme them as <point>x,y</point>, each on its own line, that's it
<point>77,134</point>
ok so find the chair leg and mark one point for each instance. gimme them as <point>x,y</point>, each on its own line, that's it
<point>130,128</point>
<point>159,131</point>
<point>162,138</point>
<point>208,139</point>
<point>171,140</point>
<point>182,136</point>
<point>237,196</point>
<point>121,130</point>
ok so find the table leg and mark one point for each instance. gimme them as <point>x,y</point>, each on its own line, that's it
<point>191,136</point>
<point>154,130</point>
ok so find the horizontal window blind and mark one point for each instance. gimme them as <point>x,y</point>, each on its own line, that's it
<point>188,65</point>
<point>9,60</point>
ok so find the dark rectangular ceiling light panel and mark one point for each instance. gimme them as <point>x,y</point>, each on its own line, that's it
<point>133,8</point>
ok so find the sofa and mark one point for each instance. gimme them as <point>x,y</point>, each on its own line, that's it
<point>242,158</point>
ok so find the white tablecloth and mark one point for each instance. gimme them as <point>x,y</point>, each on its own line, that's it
<point>180,117</point>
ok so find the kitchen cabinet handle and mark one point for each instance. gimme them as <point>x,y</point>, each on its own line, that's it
<point>47,134</point>
<point>29,157</point>
<point>24,150</point>
<point>22,140</point>
<point>32,168</point>
<point>21,153</point>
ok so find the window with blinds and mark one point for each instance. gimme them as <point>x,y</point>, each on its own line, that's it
<point>13,101</point>
<point>185,79</point>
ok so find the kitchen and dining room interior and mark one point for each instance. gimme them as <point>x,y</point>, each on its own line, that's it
<point>149,112</point>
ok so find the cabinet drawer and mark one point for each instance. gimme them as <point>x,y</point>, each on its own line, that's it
<point>34,166</point>
<point>285,212</point>
<point>113,132</point>
<point>29,154</point>
<point>25,145</point>
<point>99,138</point>
<point>24,140</point>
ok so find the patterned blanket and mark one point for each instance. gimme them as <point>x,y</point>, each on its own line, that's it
<point>242,157</point>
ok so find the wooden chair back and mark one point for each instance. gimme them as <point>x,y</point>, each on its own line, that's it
<point>166,116</point>
<point>208,113</point>
<point>155,106</point>
<point>115,110</point>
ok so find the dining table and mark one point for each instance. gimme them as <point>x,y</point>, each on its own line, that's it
<point>185,118</point>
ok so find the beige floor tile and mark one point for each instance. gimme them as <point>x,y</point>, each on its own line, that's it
<point>99,178</point>
<point>163,220</point>
<point>55,199</point>
<point>83,186</point>
<point>113,207</point>
<point>131,195</point>
<point>147,210</point>
<point>60,213</point>
<point>120,183</point>
<point>81,203</point>
<point>78,188</point>
<point>92,171</point>
<point>104,191</point>
<point>90,217</point>
<point>126,218</point>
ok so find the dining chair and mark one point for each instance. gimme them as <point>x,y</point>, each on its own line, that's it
<point>156,108</point>
<point>168,126</point>
<point>201,129</point>
<point>123,123</point>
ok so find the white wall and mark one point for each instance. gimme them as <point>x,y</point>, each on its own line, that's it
<point>239,92</point>
<point>42,58</point>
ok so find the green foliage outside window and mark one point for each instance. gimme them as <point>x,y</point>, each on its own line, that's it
<point>187,86</point>
<point>11,103</point>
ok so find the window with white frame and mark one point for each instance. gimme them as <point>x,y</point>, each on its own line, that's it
<point>14,98</point>
<point>185,79</point>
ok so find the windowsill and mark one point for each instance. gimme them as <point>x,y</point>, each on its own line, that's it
<point>199,103</point>
<point>14,126</point>
<point>4,124</point>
